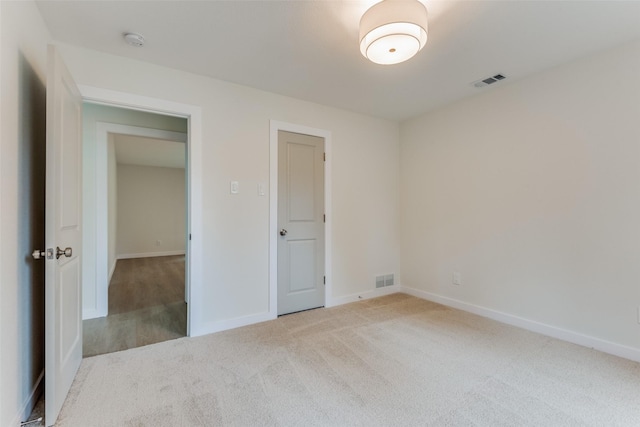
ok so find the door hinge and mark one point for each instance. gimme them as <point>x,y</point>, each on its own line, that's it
<point>324,280</point>
<point>324,157</point>
<point>324,218</point>
<point>189,236</point>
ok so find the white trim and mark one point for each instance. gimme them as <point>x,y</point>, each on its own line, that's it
<point>91,313</point>
<point>149,254</point>
<point>223,325</point>
<point>143,131</point>
<point>374,293</point>
<point>194,181</point>
<point>531,325</point>
<point>136,102</point>
<point>274,127</point>
<point>103,129</point>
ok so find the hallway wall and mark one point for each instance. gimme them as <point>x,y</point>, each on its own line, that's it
<point>151,209</point>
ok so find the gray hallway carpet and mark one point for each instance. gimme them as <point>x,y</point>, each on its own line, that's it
<point>389,361</point>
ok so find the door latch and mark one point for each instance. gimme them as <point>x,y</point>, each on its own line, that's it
<point>38,254</point>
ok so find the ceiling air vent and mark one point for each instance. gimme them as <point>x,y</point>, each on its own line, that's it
<point>488,80</point>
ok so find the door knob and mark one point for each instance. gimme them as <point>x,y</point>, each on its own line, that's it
<point>37,254</point>
<point>66,252</point>
<point>283,232</point>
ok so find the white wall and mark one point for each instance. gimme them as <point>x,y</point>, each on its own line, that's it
<point>236,147</point>
<point>151,208</point>
<point>532,192</point>
<point>92,114</point>
<point>23,39</point>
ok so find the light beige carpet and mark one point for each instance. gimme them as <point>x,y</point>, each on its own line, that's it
<point>393,361</point>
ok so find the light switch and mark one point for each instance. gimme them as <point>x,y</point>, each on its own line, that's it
<point>261,189</point>
<point>235,187</point>
<point>457,278</point>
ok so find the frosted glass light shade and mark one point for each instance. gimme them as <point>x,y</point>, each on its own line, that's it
<point>393,31</point>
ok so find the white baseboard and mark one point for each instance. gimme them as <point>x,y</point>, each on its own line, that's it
<point>223,325</point>
<point>620,350</point>
<point>377,292</point>
<point>30,402</point>
<point>541,328</point>
<point>149,254</point>
<point>92,313</point>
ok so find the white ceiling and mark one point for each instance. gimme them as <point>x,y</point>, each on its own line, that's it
<point>141,151</point>
<point>309,49</point>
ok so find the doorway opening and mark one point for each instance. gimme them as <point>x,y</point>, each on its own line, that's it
<point>137,223</point>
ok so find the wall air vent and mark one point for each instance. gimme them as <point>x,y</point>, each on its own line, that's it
<point>488,81</point>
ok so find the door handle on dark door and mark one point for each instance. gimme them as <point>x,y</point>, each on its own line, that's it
<point>283,232</point>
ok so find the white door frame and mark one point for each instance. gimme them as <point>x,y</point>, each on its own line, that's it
<point>103,269</point>
<point>193,114</point>
<point>274,127</point>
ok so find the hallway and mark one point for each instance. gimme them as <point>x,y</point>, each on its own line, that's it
<point>146,306</point>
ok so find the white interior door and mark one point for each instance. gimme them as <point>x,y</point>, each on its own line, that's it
<point>63,301</point>
<point>300,222</point>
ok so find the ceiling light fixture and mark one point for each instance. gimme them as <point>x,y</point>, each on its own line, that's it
<point>393,31</point>
<point>134,39</point>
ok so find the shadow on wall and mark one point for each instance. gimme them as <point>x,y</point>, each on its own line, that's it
<point>31,205</point>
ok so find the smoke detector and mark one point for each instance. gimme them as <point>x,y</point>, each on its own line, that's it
<point>134,39</point>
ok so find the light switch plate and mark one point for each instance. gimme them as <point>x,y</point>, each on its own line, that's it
<point>235,187</point>
<point>457,279</point>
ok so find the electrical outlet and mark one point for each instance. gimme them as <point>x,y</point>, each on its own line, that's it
<point>457,278</point>
<point>158,242</point>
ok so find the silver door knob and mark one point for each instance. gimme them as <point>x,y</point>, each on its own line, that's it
<point>283,232</point>
<point>66,252</point>
<point>37,254</point>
